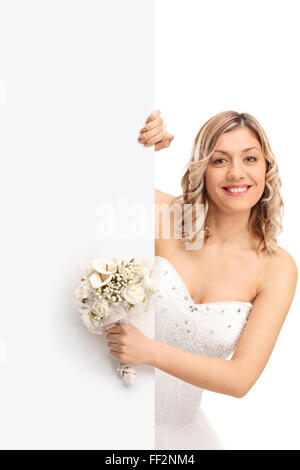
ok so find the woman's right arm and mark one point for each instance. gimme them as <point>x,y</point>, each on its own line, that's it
<point>154,133</point>
<point>162,200</point>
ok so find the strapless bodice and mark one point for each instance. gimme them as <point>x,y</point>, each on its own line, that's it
<point>211,329</point>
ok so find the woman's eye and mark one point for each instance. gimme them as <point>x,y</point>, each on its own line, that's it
<point>219,161</point>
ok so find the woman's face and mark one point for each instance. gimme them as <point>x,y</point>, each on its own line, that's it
<point>237,163</point>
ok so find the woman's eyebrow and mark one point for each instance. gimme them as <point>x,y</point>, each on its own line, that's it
<point>250,148</point>
<point>245,150</point>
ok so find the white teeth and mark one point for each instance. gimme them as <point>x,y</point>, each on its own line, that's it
<point>237,190</point>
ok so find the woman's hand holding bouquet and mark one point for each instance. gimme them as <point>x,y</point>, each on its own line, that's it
<point>109,291</point>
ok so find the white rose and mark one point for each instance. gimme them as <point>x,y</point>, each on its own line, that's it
<point>134,294</point>
<point>101,309</point>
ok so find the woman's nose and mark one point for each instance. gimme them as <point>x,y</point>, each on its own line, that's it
<point>235,171</point>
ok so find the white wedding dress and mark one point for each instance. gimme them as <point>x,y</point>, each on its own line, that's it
<point>210,329</point>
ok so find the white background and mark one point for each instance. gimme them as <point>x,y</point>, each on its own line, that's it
<point>78,80</point>
<point>212,56</point>
<point>76,83</point>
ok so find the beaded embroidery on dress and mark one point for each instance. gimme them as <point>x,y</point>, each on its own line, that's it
<point>211,329</point>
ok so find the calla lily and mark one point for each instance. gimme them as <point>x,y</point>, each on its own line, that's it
<point>98,280</point>
<point>104,266</point>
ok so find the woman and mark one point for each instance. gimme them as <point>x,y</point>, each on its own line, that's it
<point>231,295</point>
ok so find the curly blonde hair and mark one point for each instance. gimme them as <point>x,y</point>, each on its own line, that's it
<point>265,219</point>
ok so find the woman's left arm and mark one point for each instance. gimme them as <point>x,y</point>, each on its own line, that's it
<point>232,377</point>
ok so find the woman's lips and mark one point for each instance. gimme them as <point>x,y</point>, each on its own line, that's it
<point>238,193</point>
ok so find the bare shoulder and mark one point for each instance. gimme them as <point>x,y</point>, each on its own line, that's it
<point>281,262</point>
<point>280,272</point>
<point>163,198</point>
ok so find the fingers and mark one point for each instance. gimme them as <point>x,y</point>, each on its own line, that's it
<point>114,338</point>
<point>155,113</point>
<point>114,342</point>
<point>146,136</point>
<point>152,129</point>
<point>116,354</point>
<point>154,132</point>
<point>153,136</point>
<point>113,329</point>
<point>153,124</point>
<point>114,347</point>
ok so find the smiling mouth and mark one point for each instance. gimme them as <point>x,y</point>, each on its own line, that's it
<point>236,191</point>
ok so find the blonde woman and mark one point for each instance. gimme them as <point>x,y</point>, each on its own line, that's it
<point>227,297</point>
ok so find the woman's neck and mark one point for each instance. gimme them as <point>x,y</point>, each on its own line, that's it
<point>229,230</point>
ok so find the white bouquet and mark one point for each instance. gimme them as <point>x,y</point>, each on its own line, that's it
<point>109,289</point>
